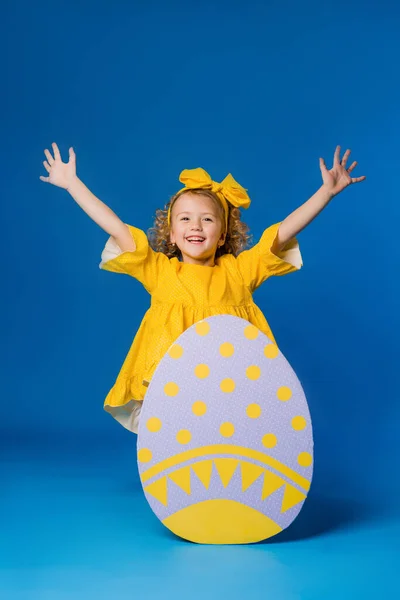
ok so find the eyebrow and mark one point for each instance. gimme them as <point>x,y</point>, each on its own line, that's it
<point>187,212</point>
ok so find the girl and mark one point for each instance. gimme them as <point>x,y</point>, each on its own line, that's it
<point>194,265</point>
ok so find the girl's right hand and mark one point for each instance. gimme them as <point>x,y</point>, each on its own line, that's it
<point>60,174</point>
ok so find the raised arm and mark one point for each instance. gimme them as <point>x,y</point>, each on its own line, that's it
<point>334,182</point>
<point>63,175</point>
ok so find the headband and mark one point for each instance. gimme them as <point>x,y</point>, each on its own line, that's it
<point>228,190</point>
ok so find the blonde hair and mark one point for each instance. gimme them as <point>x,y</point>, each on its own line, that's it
<point>237,237</point>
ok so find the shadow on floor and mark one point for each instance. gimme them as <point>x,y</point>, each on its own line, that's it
<point>321,515</point>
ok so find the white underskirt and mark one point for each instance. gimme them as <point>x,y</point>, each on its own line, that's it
<point>127,415</point>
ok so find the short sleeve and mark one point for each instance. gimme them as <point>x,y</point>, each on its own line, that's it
<point>144,264</point>
<point>259,263</point>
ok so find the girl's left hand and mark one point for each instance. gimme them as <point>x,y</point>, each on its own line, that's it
<point>338,178</point>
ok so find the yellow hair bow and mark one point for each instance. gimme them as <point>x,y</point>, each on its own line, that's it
<point>228,190</point>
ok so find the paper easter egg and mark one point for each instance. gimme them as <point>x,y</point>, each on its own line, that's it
<point>225,444</point>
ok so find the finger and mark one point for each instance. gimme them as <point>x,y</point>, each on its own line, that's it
<point>352,166</point>
<point>322,165</point>
<point>345,157</point>
<point>49,157</point>
<point>72,155</point>
<point>358,179</point>
<point>57,154</point>
<point>336,156</point>
<point>47,179</point>
<point>47,166</point>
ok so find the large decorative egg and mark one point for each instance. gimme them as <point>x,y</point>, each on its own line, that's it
<point>225,445</point>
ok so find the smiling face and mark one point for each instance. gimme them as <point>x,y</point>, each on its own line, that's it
<point>197,228</point>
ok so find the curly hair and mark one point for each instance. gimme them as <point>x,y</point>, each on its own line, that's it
<point>237,237</point>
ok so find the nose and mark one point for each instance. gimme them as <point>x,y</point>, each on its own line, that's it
<point>196,225</point>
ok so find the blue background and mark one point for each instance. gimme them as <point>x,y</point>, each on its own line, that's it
<point>141,91</point>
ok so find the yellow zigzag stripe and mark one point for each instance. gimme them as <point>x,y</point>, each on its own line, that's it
<point>226,468</point>
<point>250,473</point>
<point>158,490</point>
<point>240,453</point>
<point>182,479</point>
<point>203,470</point>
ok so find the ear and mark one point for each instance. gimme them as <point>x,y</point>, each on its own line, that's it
<point>172,237</point>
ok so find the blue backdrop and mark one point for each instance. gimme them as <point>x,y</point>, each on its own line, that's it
<point>260,89</point>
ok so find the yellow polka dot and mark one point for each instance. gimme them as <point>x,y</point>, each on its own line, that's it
<point>227,385</point>
<point>144,455</point>
<point>251,332</point>
<point>183,436</point>
<point>199,408</point>
<point>304,459</point>
<point>175,351</point>
<point>284,393</point>
<point>253,411</point>
<point>202,328</point>
<point>154,424</point>
<point>253,372</point>
<point>227,429</point>
<point>171,389</point>
<point>299,423</point>
<point>271,351</point>
<point>226,349</point>
<point>269,440</point>
<point>202,371</point>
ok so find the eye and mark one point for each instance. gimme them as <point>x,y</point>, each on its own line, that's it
<point>183,218</point>
<point>208,219</point>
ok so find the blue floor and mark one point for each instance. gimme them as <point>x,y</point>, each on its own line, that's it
<point>75,524</point>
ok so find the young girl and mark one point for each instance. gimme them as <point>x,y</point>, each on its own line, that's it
<point>195,265</point>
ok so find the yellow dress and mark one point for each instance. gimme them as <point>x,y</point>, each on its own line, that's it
<point>181,295</point>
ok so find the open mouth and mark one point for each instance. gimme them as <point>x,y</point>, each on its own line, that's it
<point>195,240</point>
